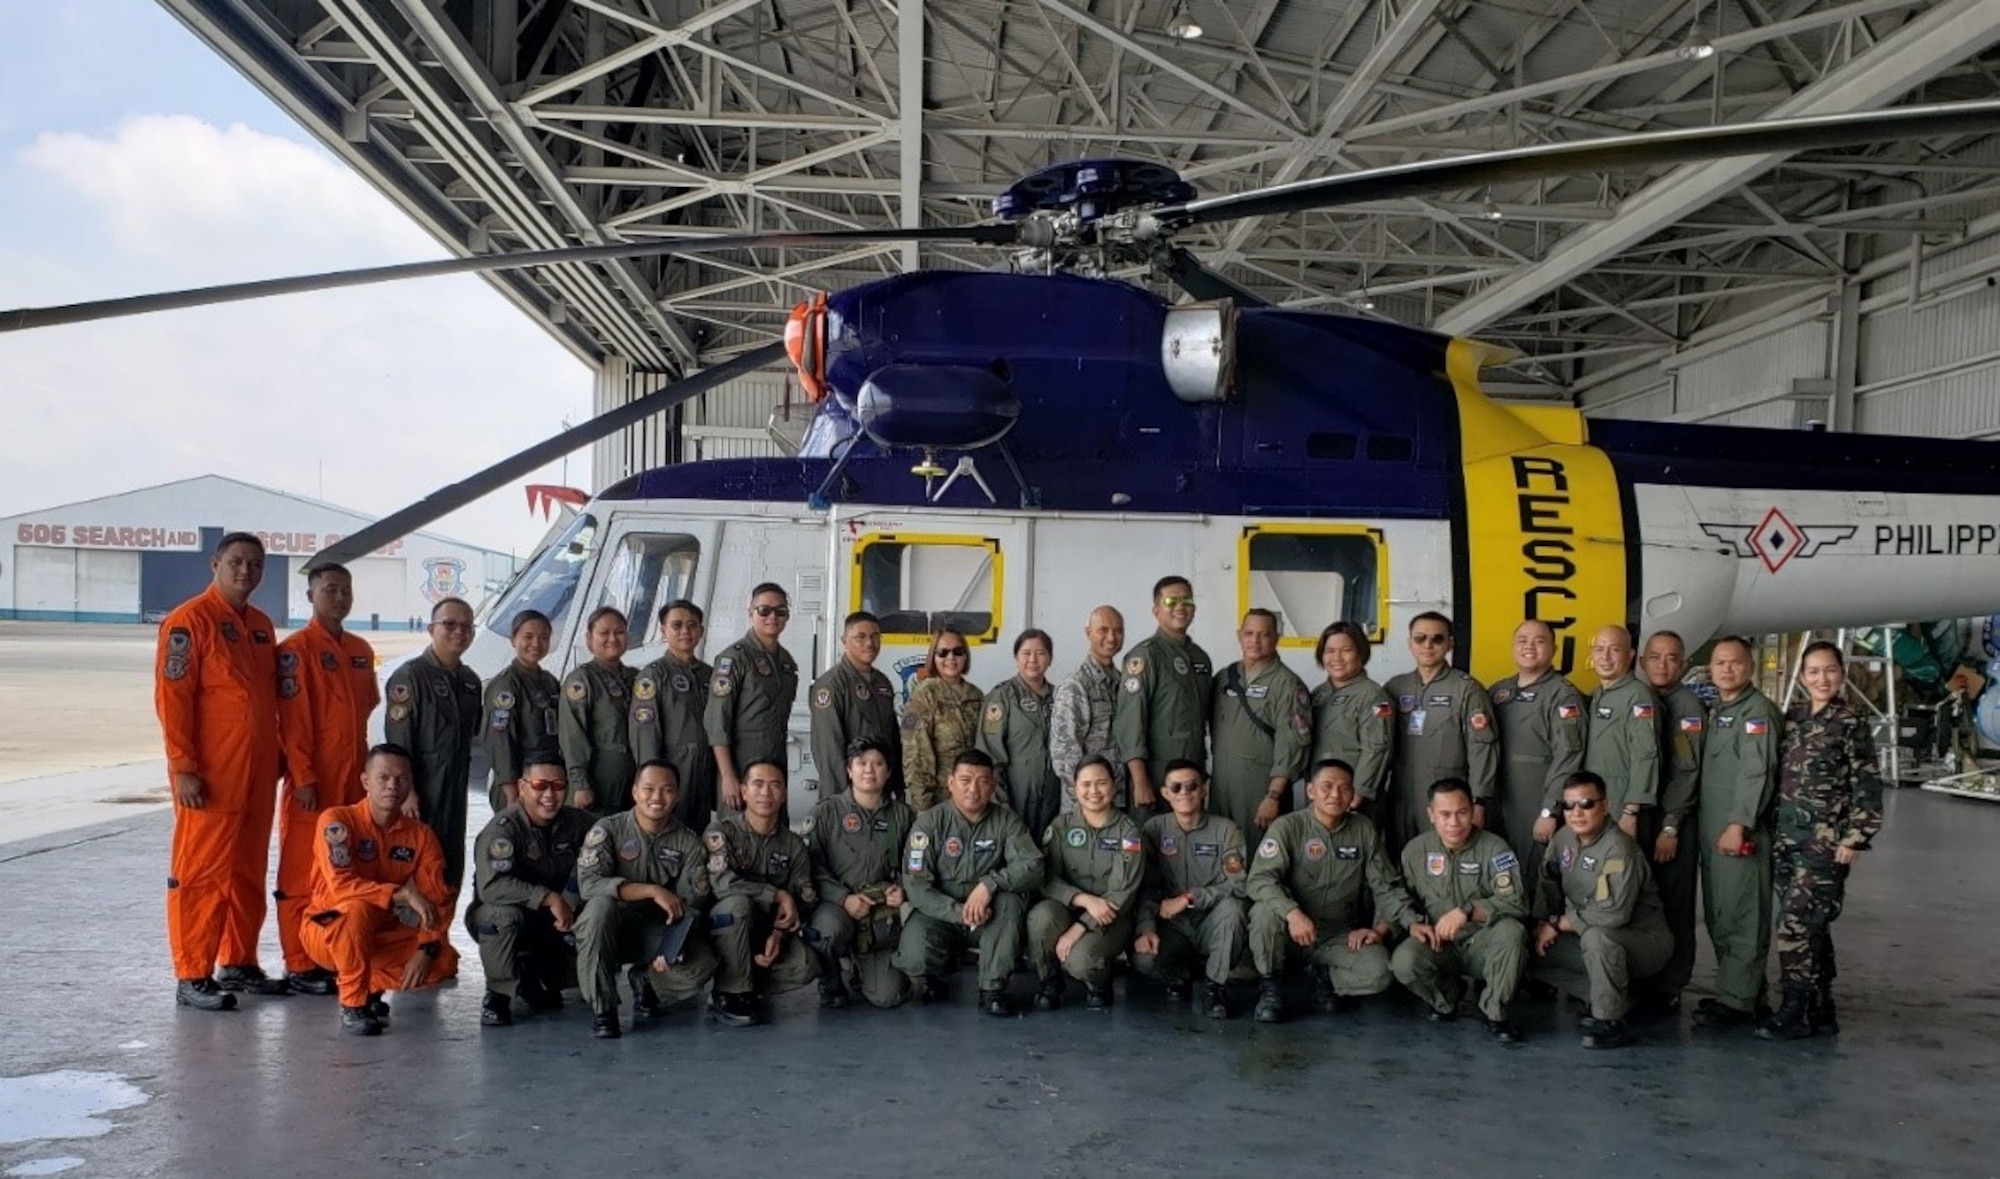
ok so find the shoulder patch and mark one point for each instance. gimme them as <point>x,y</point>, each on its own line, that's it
<point>399,691</point>
<point>503,699</point>
<point>1135,666</point>
<point>576,689</point>
<point>1267,849</point>
<point>1132,684</point>
<point>1384,710</point>
<point>644,688</point>
<point>911,721</point>
<point>823,698</point>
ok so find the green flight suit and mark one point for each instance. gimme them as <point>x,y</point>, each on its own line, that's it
<point>1622,746</point>
<point>940,722</point>
<point>750,702</point>
<point>669,699</point>
<point>1483,877</point>
<point>1739,775</point>
<point>520,719</point>
<point>856,850</point>
<point>1541,745</point>
<point>1261,728</point>
<point>516,865</point>
<point>1108,862</point>
<point>1164,704</point>
<point>610,932</point>
<point>596,728</point>
<point>1301,864</point>
<point>1207,864</point>
<point>1356,724</point>
<point>1444,729</point>
<point>747,871</point>
<point>849,703</point>
<point>1014,732</point>
<point>1685,726</point>
<point>1606,888</point>
<point>434,712</point>
<point>947,857</point>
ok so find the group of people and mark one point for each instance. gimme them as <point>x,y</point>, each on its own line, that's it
<point>1455,839</point>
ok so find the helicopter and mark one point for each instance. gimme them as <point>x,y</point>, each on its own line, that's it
<point>1002,449</point>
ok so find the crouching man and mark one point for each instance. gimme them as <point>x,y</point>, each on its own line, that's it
<point>524,892</point>
<point>640,872</point>
<point>969,870</point>
<point>1467,922</point>
<point>377,918</point>
<point>762,874</point>
<point>1191,911</point>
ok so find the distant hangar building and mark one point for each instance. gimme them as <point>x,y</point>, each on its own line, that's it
<point>132,557</point>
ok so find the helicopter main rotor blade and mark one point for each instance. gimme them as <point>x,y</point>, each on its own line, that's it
<point>1185,271</point>
<point>23,319</point>
<point>1617,153</point>
<point>449,499</point>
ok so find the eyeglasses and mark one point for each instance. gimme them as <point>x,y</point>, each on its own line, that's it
<point>951,652</point>
<point>449,625</point>
<point>1182,787</point>
<point>546,785</point>
<point>1430,640</point>
<point>1176,601</point>
<point>771,611</point>
<point>1581,804</point>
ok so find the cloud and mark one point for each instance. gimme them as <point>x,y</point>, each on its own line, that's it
<point>369,398</point>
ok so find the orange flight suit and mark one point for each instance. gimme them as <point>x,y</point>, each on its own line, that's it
<point>216,691</point>
<point>351,926</point>
<point>326,689</point>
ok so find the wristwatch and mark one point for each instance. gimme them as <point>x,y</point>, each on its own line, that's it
<point>1671,831</point>
<point>1547,813</point>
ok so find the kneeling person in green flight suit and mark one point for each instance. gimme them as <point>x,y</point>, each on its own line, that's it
<point>1191,908</point>
<point>1305,890</point>
<point>1470,900</point>
<point>968,870</point>
<point>524,891</point>
<point>762,874</point>
<point>1093,862</point>
<point>857,852</point>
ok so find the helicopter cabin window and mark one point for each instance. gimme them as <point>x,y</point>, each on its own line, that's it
<point>1312,575</point>
<point>921,584</point>
<point>549,581</point>
<point>648,570</point>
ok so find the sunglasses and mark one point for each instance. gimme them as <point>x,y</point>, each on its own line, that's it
<point>951,652</point>
<point>1581,804</point>
<point>1430,640</point>
<point>546,785</point>
<point>1176,601</point>
<point>1182,787</point>
<point>771,611</point>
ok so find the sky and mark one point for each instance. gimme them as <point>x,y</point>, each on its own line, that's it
<point>134,159</point>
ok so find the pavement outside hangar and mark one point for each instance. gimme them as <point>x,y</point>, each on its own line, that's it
<point>91,1027</point>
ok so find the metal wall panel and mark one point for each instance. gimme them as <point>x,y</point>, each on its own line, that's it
<point>1648,389</point>
<point>107,584</point>
<point>1769,362</point>
<point>1960,404</point>
<point>1898,342</point>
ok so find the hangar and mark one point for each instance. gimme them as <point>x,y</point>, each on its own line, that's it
<point>133,556</point>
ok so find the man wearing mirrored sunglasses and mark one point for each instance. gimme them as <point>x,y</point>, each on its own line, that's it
<point>750,695</point>
<point>524,892</point>
<point>1602,930</point>
<point>1165,696</point>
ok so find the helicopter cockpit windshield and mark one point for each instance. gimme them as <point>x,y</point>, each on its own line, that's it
<point>549,582</point>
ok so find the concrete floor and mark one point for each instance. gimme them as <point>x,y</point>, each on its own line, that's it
<point>1907,1089</point>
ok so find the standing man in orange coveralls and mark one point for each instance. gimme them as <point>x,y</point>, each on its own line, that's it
<point>216,690</point>
<point>326,689</point>
<point>378,908</point>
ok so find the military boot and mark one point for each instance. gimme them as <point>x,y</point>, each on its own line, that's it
<point>1217,1001</point>
<point>832,990</point>
<point>1270,999</point>
<point>1097,995</point>
<point>203,995</point>
<point>250,979</point>
<point>1824,1022</point>
<point>996,1003</point>
<point>1049,996</point>
<point>1793,1019</point>
<point>359,1021</point>
<point>317,981</point>
<point>645,1003</point>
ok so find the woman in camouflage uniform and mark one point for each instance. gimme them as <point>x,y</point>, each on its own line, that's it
<point>1829,808</point>
<point>1014,732</point>
<point>941,720</point>
<point>520,707</point>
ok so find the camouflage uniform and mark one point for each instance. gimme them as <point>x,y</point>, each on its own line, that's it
<point>1262,729</point>
<point>668,700</point>
<point>1356,724</point>
<point>520,719</point>
<point>595,724</point>
<point>1080,727</point>
<point>1541,745</point>
<point>1828,796</point>
<point>940,722</point>
<point>1014,732</point>
<point>850,703</point>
